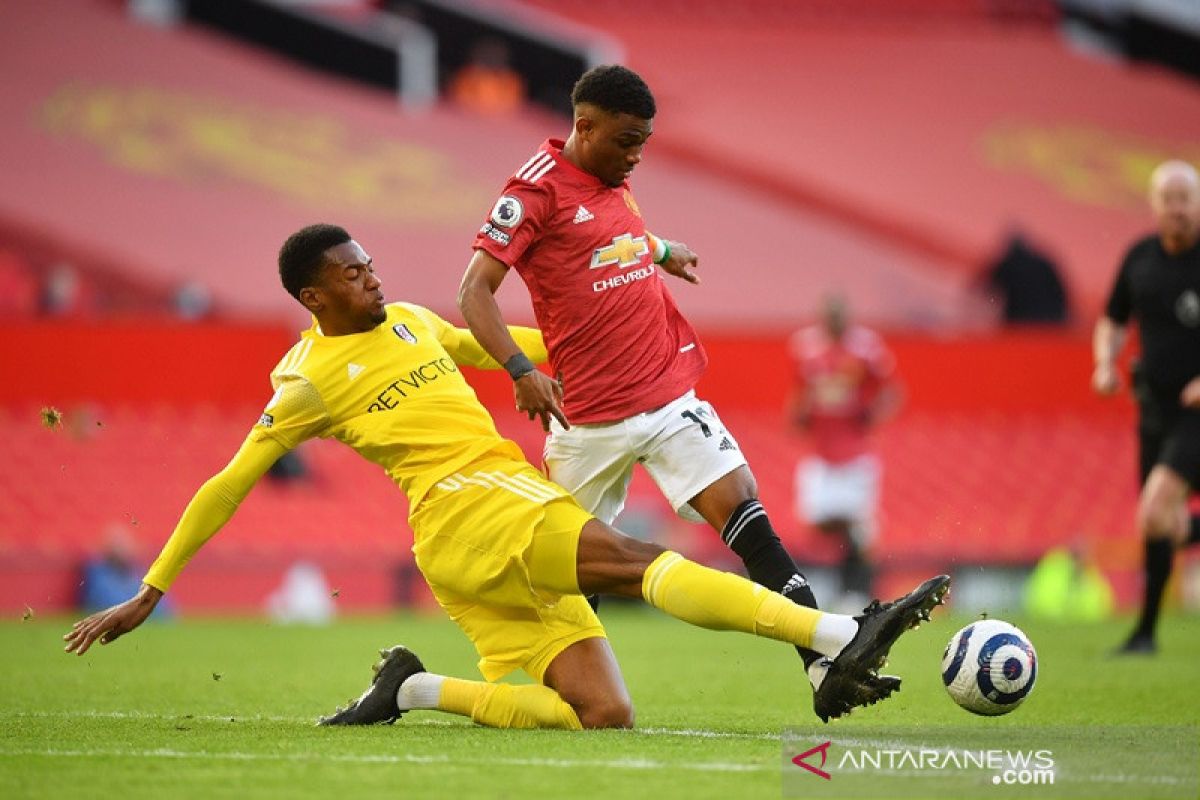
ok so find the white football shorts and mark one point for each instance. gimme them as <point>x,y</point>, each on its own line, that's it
<point>848,491</point>
<point>683,445</point>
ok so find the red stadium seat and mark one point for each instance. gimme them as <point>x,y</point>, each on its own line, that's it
<point>959,488</point>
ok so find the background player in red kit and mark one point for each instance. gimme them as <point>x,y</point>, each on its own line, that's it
<point>844,388</point>
<point>625,360</point>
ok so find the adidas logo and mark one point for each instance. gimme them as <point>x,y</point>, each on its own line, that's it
<point>354,370</point>
<point>583,215</point>
<point>795,582</point>
<point>726,444</point>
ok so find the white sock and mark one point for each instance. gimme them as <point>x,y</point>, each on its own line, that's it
<point>817,671</point>
<point>419,691</point>
<point>834,631</point>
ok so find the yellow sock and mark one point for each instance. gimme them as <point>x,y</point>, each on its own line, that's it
<point>501,705</point>
<point>725,602</point>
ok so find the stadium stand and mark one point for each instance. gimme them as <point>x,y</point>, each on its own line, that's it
<point>936,137</point>
<point>182,147</point>
<point>968,488</point>
<point>979,471</point>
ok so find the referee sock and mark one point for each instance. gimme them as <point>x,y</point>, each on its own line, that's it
<point>496,705</point>
<point>726,602</point>
<point>749,534</point>
<point>1159,555</point>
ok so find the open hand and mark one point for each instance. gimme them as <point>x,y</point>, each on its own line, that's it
<point>113,622</point>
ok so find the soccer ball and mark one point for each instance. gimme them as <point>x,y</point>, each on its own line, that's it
<point>989,667</point>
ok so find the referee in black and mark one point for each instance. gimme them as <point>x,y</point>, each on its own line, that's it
<point>1159,286</point>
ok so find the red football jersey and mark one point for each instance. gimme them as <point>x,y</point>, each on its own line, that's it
<point>842,380</point>
<point>615,336</point>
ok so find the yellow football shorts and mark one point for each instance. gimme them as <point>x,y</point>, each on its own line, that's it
<point>497,544</point>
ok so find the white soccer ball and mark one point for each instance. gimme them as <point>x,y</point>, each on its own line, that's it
<point>989,667</point>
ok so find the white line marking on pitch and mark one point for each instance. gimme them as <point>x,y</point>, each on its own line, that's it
<point>715,766</point>
<point>153,715</point>
<point>441,760</point>
<point>82,714</point>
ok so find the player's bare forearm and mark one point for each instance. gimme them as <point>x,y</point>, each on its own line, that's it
<point>534,393</point>
<point>1190,396</point>
<point>477,302</point>
<point>114,622</point>
<point>1108,338</point>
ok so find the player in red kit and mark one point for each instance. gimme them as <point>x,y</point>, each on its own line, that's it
<point>844,388</point>
<point>624,359</point>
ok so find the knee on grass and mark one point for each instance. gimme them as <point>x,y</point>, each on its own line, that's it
<point>609,712</point>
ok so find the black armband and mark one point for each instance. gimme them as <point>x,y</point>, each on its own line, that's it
<point>519,366</point>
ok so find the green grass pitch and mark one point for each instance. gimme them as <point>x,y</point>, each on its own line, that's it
<point>204,708</point>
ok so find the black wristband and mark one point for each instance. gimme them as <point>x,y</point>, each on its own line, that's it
<point>519,366</point>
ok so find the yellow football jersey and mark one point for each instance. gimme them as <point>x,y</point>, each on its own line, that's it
<point>395,394</point>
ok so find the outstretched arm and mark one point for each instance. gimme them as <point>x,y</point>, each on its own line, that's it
<point>464,348</point>
<point>536,393</point>
<point>207,513</point>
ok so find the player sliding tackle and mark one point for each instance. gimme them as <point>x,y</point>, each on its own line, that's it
<point>506,552</point>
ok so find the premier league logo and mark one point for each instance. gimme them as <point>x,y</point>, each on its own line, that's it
<point>401,330</point>
<point>507,212</point>
<point>1187,308</point>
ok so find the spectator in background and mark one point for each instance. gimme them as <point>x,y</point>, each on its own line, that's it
<point>845,386</point>
<point>65,293</point>
<point>303,597</point>
<point>192,301</point>
<point>1029,283</point>
<point>1159,286</point>
<point>113,574</point>
<point>486,84</point>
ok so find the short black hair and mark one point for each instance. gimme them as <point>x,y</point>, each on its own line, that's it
<point>616,89</point>
<point>303,254</point>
